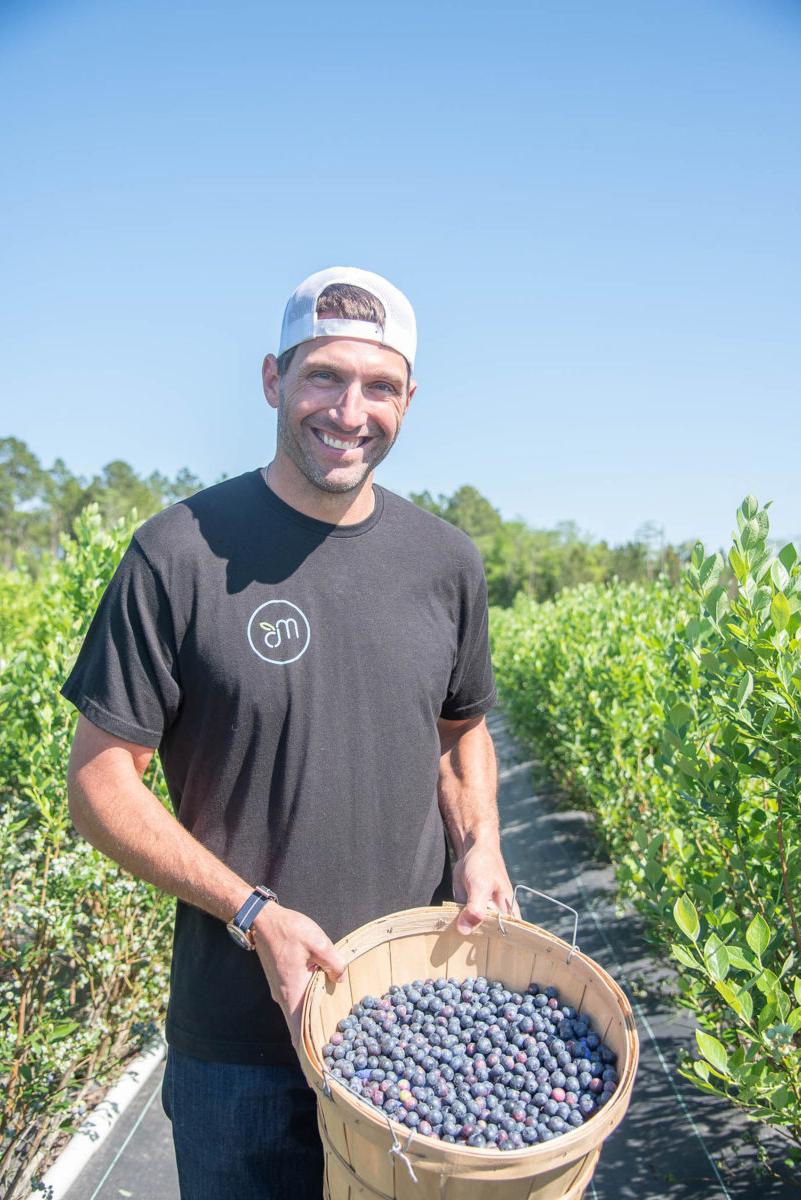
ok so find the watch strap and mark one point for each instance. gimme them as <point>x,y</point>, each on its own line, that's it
<point>247,914</point>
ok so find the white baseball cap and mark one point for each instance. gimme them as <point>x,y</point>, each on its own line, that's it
<point>301,323</point>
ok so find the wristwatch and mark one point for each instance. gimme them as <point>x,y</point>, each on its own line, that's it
<point>239,926</point>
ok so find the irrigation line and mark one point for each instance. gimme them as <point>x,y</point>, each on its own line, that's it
<point>124,1145</point>
<point>649,1030</point>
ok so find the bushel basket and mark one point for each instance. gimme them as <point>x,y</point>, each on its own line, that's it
<point>370,1157</point>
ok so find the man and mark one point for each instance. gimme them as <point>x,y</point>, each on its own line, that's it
<point>308,652</point>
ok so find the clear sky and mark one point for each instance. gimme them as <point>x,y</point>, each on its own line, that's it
<point>595,208</point>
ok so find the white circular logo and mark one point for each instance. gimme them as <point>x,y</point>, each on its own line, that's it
<point>279,632</point>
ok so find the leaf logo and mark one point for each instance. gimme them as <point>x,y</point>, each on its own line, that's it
<point>284,638</point>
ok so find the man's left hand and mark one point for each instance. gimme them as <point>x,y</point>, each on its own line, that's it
<point>480,881</point>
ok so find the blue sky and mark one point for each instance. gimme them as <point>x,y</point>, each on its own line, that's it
<point>594,208</point>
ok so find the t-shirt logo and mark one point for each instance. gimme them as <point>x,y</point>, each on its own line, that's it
<point>279,632</point>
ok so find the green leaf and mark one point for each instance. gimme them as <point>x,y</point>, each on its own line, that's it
<point>763,524</point>
<point>750,507</point>
<point>788,555</point>
<point>716,957</point>
<point>653,871</point>
<point>746,1004</point>
<point>794,1020</point>
<point>713,1051</point>
<point>750,534</point>
<point>779,574</point>
<point>758,935</point>
<point>738,564</point>
<point>61,1029</point>
<point>797,989</point>
<point>686,917</point>
<point>745,688</point>
<point>683,955</point>
<point>767,983</point>
<point>738,959</point>
<point>710,569</point>
<point>680,714</point>
<point>780,611</point>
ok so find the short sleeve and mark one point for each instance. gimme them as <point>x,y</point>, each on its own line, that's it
<point>125,678</point>
<point>471,691</point>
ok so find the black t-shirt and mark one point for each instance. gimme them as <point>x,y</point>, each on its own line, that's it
<point>291,674</point>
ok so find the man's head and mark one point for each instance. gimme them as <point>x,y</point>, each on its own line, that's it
<point>342,380</point>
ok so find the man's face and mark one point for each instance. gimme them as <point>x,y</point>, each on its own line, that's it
<point>340,407</point>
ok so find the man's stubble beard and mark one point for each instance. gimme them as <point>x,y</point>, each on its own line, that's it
<point>308,465</point>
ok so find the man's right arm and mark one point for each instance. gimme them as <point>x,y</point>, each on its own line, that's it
<point>114,810</point>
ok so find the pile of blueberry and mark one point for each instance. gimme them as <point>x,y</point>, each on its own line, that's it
<point>468,1061</point>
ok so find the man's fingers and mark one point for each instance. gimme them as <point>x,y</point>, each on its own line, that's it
<point>329,960</point>
<point>472,914</point>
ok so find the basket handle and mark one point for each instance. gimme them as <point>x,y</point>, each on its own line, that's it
<point>533,891</point>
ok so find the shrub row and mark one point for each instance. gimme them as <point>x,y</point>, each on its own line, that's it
<point>674,714</point>
<point>83,946</point>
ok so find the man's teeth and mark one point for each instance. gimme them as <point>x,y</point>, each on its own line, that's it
<point>338,443</point>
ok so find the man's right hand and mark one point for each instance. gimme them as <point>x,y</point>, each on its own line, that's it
<point>290,946</point>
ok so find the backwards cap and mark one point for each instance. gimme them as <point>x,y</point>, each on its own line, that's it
<point>301,323</point>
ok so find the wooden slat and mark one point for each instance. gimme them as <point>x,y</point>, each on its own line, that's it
<point>371,1159</point>
<point>333,1121</point>
<point>371,973</point>
<point>466,957</point>
<point>411,956</point>
<point>509,962</point>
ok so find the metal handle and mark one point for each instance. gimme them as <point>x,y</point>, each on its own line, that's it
<point>553,900</point>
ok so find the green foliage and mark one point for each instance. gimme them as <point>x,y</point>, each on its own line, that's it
<point>541,562</point>
<point>675,713</point>
<point>83,946</point>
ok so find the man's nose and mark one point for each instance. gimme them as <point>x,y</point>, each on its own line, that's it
<point>349,408</point>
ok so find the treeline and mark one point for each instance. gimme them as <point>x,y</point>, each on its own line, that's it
<point>38,504</point>
<point>542,562</point>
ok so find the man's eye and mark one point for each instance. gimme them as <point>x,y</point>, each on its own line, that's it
<point>324,375</point>
<point>387,387</point>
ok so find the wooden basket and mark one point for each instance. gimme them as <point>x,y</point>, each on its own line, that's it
<point>370,1157</point>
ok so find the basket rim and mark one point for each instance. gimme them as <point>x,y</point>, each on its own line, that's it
<point>570,1140</point>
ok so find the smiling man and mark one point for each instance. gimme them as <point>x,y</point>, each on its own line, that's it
<point>308,654</point>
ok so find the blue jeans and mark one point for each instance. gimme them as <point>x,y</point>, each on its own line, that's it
<point>242,1132</point>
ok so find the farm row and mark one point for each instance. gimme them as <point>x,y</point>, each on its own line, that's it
<point>674,715</point>
<point>83,946</point>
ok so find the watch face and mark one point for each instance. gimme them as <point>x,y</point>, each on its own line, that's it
<point>241,939</point>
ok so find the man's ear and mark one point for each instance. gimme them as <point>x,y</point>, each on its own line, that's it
<point>412,390</point>
<point>270,380</point>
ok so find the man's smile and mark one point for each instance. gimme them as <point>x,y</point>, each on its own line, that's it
<point>338,442</point>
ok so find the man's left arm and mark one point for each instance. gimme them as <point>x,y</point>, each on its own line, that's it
<point>467,790</point>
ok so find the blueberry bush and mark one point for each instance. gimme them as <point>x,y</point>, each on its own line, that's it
<point>674,714</point>
<point>83,946</point>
